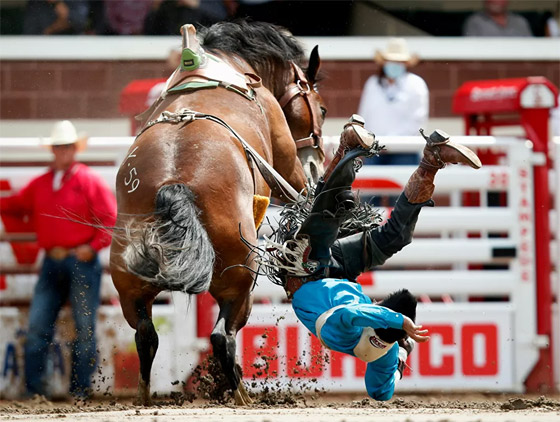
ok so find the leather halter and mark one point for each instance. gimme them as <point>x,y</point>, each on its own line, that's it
<point>300,86</point>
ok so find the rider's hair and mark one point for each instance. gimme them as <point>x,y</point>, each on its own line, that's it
<point>401,301</point>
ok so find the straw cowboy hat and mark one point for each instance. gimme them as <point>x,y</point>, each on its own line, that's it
<point>64,133</point>
<point>396,51</point>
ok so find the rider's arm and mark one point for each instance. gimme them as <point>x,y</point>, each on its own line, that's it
<point>382,375</point>
<point>369,315</point>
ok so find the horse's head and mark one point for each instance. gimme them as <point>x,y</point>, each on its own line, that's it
<point>305,113</point>
<point>274,54</point>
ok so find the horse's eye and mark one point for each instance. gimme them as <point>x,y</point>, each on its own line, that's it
<point>323,112</point>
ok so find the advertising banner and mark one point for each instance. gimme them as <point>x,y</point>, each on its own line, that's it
<point>470,349</point>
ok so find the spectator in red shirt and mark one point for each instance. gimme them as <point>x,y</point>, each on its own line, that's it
<point>67,193</point>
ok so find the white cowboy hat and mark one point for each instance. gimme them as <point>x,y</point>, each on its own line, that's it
<point>64,133</point>
<point>396,51</point>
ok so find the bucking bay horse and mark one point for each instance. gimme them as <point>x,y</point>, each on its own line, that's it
<point>222,137</point>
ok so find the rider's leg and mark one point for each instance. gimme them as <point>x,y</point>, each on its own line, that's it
<point>363,251</point>
<point>334,196</point>
<point>353,135</point>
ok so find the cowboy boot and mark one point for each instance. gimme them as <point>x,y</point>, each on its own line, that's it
<point>438,152</point>
<point>364,251</point>
<point>353,135</point>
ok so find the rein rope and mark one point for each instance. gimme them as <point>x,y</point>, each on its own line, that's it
<point>271,176</point>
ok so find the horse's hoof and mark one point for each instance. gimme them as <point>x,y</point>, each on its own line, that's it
<point>139,401</point>
<point>242,396</point>
<point>143,395</point>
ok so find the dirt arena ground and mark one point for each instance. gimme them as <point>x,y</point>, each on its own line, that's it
<point>323,408</point>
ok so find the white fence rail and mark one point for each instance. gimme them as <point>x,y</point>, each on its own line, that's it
<point>449,262</point>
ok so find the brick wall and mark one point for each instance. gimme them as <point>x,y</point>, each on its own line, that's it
<point>53,89</point>
<point>344,81</point>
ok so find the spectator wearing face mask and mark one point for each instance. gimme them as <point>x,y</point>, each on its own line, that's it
<point>395,102</point>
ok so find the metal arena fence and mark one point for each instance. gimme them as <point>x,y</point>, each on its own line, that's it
<point>472,264</point>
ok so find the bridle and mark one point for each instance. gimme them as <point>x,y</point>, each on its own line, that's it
<point>300,86</point>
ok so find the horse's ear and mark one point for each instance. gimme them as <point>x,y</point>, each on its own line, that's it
<point>314,64</point>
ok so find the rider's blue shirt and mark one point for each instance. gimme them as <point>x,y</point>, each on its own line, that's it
<point>343,329</point>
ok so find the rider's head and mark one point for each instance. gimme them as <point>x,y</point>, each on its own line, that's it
<point>401,301</point>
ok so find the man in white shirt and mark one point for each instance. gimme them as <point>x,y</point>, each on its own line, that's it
<point>395,102</point>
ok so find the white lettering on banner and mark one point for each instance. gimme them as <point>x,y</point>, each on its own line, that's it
<point>493,93</point>
<point>526,226</point>
<point>498,180</point>
<point>470,352</point>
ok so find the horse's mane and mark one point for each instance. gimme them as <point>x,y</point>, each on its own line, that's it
<point>268,48</point>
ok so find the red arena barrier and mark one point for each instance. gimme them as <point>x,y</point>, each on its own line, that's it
<point>526,102</point>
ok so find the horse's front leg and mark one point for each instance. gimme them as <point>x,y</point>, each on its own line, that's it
<point>232,317</point>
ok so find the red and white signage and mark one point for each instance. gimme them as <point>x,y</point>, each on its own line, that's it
<point>504,95</point>
<point>474,345</point>
<point>470,349</point>
<point>118,361</point>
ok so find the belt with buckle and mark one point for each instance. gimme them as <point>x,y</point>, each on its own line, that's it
<point>58,253</point>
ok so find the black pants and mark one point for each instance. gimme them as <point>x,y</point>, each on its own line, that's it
<point>363,251</point>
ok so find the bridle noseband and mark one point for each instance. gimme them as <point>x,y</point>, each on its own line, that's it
<point>300,86</point>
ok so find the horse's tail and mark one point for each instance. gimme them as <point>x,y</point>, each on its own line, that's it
<point>173,252</point>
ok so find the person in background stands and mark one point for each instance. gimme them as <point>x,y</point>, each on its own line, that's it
<point>496,21</point>
<point>167,16</point>
<point>55,17</point>
<point>71,206</point>
<point>395,102</point>
<point>552,27</point>
<point>125,17</point>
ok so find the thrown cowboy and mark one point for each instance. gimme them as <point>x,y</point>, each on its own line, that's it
<point>317,259</point>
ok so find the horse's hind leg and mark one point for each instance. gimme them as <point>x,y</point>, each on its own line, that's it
<point>137,312</point>
<point>146,344</point>
<point>233,316</point>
